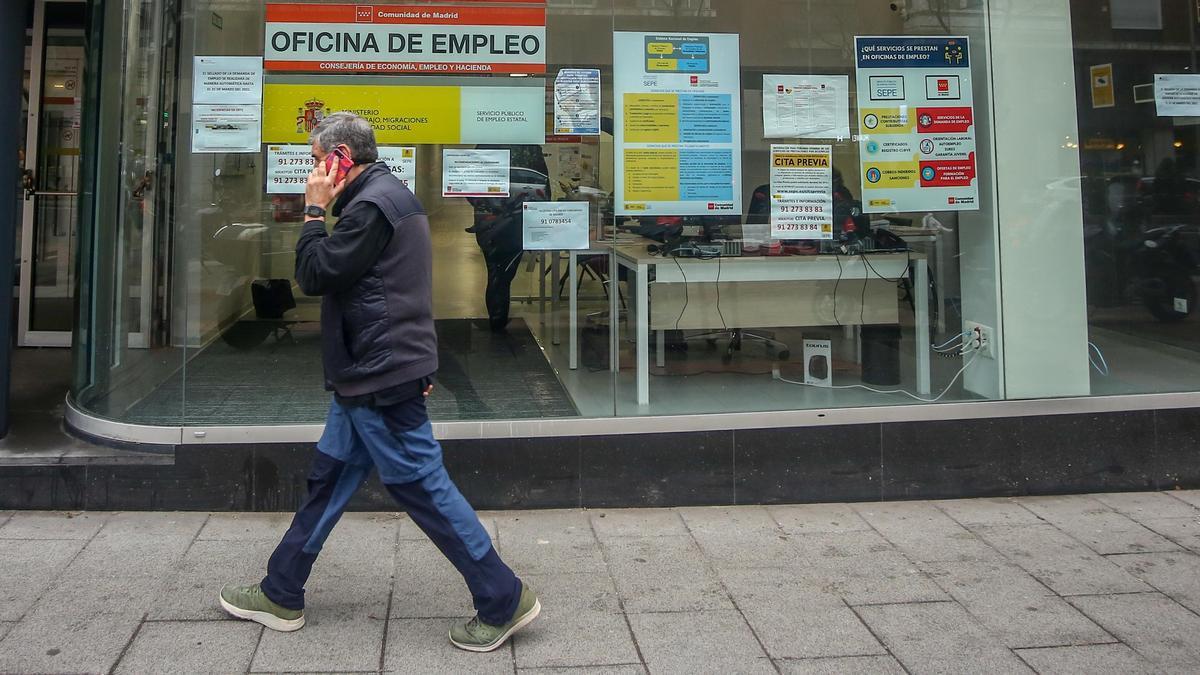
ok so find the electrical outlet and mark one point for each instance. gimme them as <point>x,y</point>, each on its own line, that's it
<point>980,337</point>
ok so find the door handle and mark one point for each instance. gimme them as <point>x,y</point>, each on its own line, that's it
<point>45,193</point>
<point>27,182</point>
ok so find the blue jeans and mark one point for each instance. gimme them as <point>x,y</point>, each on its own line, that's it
<point>409,461</point>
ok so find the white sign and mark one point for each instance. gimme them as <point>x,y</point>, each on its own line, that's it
<point>475,173</point>
<point>577,102</point>
<point>288,167</point>
<point>801,192</point>
<point>555,226</point>
<point>806,106</point>
<point>227,79</point>
<point>403,163</point>
<point>226,128</point>
<point>467,39</point>
<point>1177,95</point>
<point>916,124</point>
<point>678,124</point>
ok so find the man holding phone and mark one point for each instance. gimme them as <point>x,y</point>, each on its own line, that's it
<point>379,350</point>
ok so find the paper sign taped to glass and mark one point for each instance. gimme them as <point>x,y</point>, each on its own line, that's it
<point>806,106</point>
<point>226,128</point>
<point>288,167</point>
<point>475,173</point>
<point>555,226</point>
<point>801,192</point>
<point>916,122</point>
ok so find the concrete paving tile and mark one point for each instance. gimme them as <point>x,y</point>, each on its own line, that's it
<point>925,533</point>
<point>29,568</point>
<point>554,541</point>
<point>246,526</point>
<point>6,626</point>
<point>988,512</point>
<point>408,530</point>
<point>862,568</point>
<point>939,637</point>
<point>837,665</point>
<point>1182,531</point>
<point>332,641</point>
<point>631,669</point>
<point>153,524</point>
<point>1059,561</point>
<point>1177,575</point>
<point>421,646</point>
<point>638,523</point>
<point>1087,660</point>
<point>663,574</point>
<point>1150,623</point>
<point>669,643</point>
<point>191,592</point>
<point>191,647</point>
<point>740,536</point>
<point>51,643</point>
<point>817,518</point>
<point>130,556</point>
<point>563,637</point>
<point>1138,505</point>
<point>794,620</point>
<point>1104,530</point>
<point>426,585</point>
<point>53,525</point>
<point>1013,605</point>
<point>576,592</point>
<point>1190,496</point>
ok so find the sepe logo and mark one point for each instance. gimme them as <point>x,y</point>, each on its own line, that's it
<point>364,14</point>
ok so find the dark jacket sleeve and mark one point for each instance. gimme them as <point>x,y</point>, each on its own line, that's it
<point>328,263</point>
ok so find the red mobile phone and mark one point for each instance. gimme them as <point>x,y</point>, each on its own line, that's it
<point>336,161</point>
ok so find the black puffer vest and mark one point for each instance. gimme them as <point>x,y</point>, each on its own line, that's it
<point>379,332</point>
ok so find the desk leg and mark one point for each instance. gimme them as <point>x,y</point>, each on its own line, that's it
<point>939,273</point>
<point>614,315</point>
<point>554,302</point>
<point>542,286</point>
<point>921,302</point>
<point>660,356</point>
<point>573,310</point>
<point>643,335</point>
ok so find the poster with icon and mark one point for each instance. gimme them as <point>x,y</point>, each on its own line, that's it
<point>916,121</point>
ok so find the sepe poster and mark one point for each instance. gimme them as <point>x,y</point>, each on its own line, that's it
<point>677,124</point>
<point>801,192</point>
<point>288,167</point>
<point>916,124</point>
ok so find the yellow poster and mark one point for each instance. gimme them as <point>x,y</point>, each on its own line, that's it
<point>1103,93</point>
<point>651,118</point>
<point>400,115</point>
<point>651,176</point>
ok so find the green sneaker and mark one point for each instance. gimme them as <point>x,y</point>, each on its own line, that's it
<point>477,636</point>
<point>249,602</point>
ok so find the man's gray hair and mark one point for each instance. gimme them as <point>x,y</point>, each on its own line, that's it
<point>345,128</point>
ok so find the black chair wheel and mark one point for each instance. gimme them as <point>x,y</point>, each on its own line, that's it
<point>784,355</point>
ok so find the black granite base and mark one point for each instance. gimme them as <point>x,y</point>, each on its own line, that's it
<point>1145,450</point>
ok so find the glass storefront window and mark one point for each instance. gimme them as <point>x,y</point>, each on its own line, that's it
<point>790,205</point>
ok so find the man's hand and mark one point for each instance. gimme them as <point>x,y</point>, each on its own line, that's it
<point>428,390</point>
<point>321,189</point>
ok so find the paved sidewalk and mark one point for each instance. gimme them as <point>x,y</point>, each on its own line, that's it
<point>1100,583</point>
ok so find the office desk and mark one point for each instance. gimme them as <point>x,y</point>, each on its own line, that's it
<point>938,239</point>
<point>671,270</point>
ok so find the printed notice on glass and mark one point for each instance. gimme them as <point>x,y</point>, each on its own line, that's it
<point>403,163</point>
<point>916,124</point>
<point>554,226</point>
<point>226,128</point>
<point>577,102</point>
<point>227,79</point>
<point>678,123</point>
<point>801,192</point>
<point>1177,95</point>
<point>806,106</point>
<point>475,173</point>
<point>288,167</point>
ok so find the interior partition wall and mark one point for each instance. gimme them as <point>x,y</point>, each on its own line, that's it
<point>1074,255</point>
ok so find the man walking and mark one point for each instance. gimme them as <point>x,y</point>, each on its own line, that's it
<point>374,273</point>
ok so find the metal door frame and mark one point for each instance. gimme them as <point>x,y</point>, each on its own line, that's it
<point>37,63</point>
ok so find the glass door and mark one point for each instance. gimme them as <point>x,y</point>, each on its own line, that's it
<point>51,175</point>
